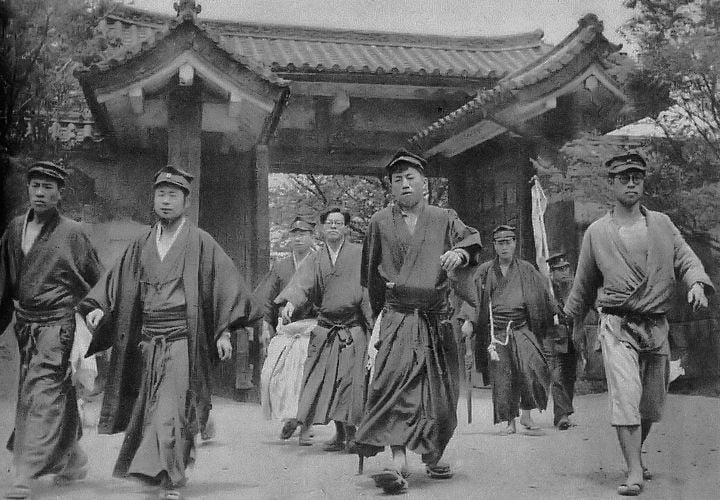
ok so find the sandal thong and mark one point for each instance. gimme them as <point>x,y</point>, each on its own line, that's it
<point>18,492</point>
<point>629,490</point>
<point>391,481</point>
<point>439,471</point>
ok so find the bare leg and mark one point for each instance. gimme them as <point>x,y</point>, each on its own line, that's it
<point>645,426</point>
<point>631,445</point>
<point>511,428</point>
<point>526,419</point>
<point>400,459</point>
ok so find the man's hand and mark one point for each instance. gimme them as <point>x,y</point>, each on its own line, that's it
<point>287,313</point>
<point>696,297</point>
<point>450,260</point>
<point>224,346</point>
<point>92,320</point>
<point>467,329</point>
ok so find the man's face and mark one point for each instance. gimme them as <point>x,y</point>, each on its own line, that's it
<point>561,274</point>
<point>44,194</point>
<point>334,227</point>
<point>628,187</point>
<point>505,247</point>
<point>408,186</point>
<point>170,202</point>
<point>300,241</point>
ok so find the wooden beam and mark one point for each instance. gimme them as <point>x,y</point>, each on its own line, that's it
<point>136,100</point>
<point>261,257</point>
<point>379,91</point>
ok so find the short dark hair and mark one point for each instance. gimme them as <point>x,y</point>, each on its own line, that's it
<point>335,210</point>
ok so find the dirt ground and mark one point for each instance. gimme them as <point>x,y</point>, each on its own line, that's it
<point>247,460</point>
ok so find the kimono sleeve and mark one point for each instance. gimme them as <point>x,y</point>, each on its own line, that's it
<point>464,237</point>
<point>303,286</point>
<point>587,280</point>
<point>86,259</point>
<point>265,294</point>
<point>370,278</point>
<point>6,304</point>
<point>688,266</point>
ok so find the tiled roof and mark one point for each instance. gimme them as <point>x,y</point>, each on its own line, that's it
<point>508,89</point>
<point>288,49</point>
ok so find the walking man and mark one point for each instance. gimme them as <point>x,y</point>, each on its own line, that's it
<point>629,261</point>
<point>171,302</point>
<point>561,348</point>
<point>409,249</point>
<point>301,245</point>
<point>47,265</point>
<point>286,346</point>
<point>334,374</point>
<point>515,312</point>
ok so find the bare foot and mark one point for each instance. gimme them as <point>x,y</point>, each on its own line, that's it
<point>527,421</point>
<point>510,429</point>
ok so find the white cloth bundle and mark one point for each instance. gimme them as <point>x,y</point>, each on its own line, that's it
<point>372,350</point>
<point>282,372</point>
<point>84,370</point>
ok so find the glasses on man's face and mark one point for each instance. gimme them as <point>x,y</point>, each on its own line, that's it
<point>334,223</point>
<point>625,178</point>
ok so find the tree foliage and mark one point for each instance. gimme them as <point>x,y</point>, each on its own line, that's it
<point>306,195</point>
<point>42,43</point>
<point>678,43</point>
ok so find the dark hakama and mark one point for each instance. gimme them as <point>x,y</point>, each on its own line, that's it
<point>413,397</point>
<point>158,437</point>
<point>166,318</point>
<point>47,283</point>
<point>334,372</point>
<point>521,376</point>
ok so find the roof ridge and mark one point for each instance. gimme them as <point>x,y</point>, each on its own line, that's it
<point>299,32</point>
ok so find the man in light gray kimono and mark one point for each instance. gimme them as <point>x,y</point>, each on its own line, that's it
<point>629,261</point>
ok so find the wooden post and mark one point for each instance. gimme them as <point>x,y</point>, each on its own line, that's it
<point>262,214</point>
<point>184,138</point>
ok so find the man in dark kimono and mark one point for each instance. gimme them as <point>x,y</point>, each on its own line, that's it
<point>561,348</point>
<point>171,302</point>
<point>515,311</point>
<point>301,245</point>
<point>412,399</point>
<point>629,262</point>
<point>47,265</point>
<point>334,373</point>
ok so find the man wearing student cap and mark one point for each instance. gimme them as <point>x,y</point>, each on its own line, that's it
<point>300,241</point>
<point>167,308</point>
<point>282,371</point>
<point>515,313</point>
<point>629,262</point>
<point>561,347</point>
<point>47,265</point>
<point>409,249</point>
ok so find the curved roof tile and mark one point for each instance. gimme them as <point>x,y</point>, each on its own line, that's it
<point>295,48</point>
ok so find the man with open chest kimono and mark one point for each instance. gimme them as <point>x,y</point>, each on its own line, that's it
<point>47,265</point>
<point>171,301</point>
